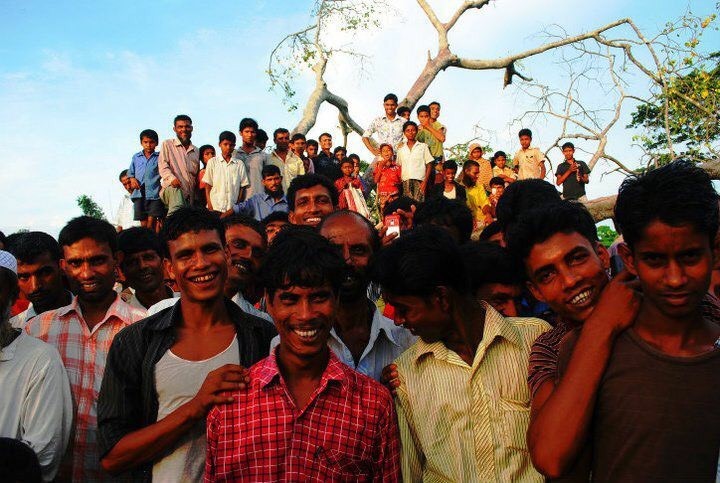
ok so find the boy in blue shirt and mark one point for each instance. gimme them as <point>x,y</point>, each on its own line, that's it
<point>144,179</point>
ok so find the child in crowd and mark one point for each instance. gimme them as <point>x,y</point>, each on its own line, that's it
<point>356,172</point>
<point>340,153</point>
<point>388,177</point>
<point>261,139</point>
<point>531,161</point>
<point>450,188</point>
<point>404,112</point>
<point>144,179</point>
<point>572,175</point>
<point>206,153</point>
<point>502,170</point>
<point>343,184</point>
<point>497,188</point>
<point>225,177</point>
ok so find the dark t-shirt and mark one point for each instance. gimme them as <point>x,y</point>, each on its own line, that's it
<point>572,188</point>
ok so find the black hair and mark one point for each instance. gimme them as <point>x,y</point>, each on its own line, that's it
<point>402,110</point>
<point>305,181</point>
<point>280,130</point>
<point>523,195</point>
<point>470,163</point>
<point>138,239</point>
<point>3,238</point>
<point>676,194</point>
<point>338,149</point>
<point>354,156</point>
<point>416,263</point>
<point>450,164</point>
<point>539,224</point>
<point>227,136</point>
<point>496,181</point>
<point>390,97</point>
<point>270,170</point>
<point>182,117</point>
<point>490,230</point>
<point>28,246</point>
<point>275,216</point>
<point>149,133</point>
<point>525,132</point>
<point>409,123</point>
<point>18,462</point>
<point>423,108</point>
<point>239,219</point>
<point>400,203</point>
<point>434,102</point>
<point>247,122</point>
<point>491,263</point>
<point>441,211</point>
<point>88,227</point>
<point>568,145</point>
<point>325,134</point>
<point>122,174</point>
<point>347,160</point>
<point>311,142</point>
<point>201,151</point>
<point>261,136</point>
<point>296,136</point>
<point>498,154</point>
<point>300,257</point>
<point>375,242</point>
<point>189,219</point>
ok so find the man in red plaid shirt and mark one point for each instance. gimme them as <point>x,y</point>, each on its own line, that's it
<point>305,416</point>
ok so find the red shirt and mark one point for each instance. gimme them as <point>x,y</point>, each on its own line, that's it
<point>390,179</point>
<point>347,432</point>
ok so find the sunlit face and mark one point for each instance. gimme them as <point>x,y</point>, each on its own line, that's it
<point>282,141</point>
<point>183,130</point>
<point>199,265</point>
<point>449,175</point>
<point>525,141</point>
<point>90,268</point>
<point>387,153</point>
<point>311,206</point>
<point>569,153</point>
<point>434,111</point>
<point>148,144</point>
<point>674,265</point>
<point>410,132</point>
<point>246,249</point>
<point>325,143</point>
<point>40,281</point>
<point>501,297</point>
<point>125,180</point>
<point>568,272</point>
<point>390,107</point>
<point>226,147</point>
<point>273,184</point>
<point>248,135</point>
<point>143,270</point>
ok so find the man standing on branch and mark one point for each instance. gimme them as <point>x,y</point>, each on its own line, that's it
<point>572,175</point>
<point>178,165</point>
<point>388,128</point>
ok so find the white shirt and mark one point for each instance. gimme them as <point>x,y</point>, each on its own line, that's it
<point>163,304</point>
<point>126,213</point>
<point>413,161</point>
<point>226,179</point>
<point>451,195</point>
<point>177,381</point>
<point>22,318</point>
<point>290,169</point>
<point>249,308</point>
<point>35,400</point>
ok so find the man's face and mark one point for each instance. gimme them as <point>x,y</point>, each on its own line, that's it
<point>390,106</point>
<point>353,238</point>
<point>199,265</point>
<point>226,147</point>
<point>299,146</point>
<point>311,150</point>
<point>183,130</point>
<point>303,317</point>
<point>40,281</point>
<point>472,173</point>
<point>148,144</point>
<point>501,297</point>
<point>568,272</point>
<point>525,141</point>
<point>273,228</point>
<point>90,268</point>
<point>282,141</point>
<point>311,206</point>
<point>569,153</point>
<point>273,184</point>
<point>143,270</point>
<point>125,180</point>
<point>248,136</point>
<point>476,154</point>
<point>247,250</point>
<point>411,132</point>
<point>434,111</point>
<point>325,143</point>
<point>674,265</point>
<point>425,318</point>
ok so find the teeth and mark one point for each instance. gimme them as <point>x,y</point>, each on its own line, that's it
<point>313,220</point>
<point>306,333</point>
<point>203,278</point>
<point>580,298</point>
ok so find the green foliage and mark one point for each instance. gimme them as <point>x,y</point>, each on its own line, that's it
<point>89,207</point>
<point>459,152</point>
<point>606,235</point>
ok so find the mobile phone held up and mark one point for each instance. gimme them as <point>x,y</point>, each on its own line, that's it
<point>392,223</point>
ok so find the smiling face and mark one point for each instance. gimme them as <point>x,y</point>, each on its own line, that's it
<point>449,175</point>
<point>568,272</point>
<point>325,143</point>
<point>390,107</point>
<point>246,249</point>
<point>674,265</point>
<point>90,268</point>
<point>353,238</point>
<point>143,271</point>
<point>311,206</point>
<point>40,281</point>
<point>425,318</point>
<point>183,130</point>
<point>303,317</point>
<point>434,111</point>
<point>198,263</point>
<point>410,132</point>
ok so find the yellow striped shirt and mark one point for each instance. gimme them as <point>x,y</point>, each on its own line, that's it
<point>465,423</point>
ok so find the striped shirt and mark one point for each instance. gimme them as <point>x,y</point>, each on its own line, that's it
<point>468,423</point>
<point>83,352</point>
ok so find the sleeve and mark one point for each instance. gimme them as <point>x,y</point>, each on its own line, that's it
<point>482,199</point>
<point>387,462</point>
<point>119,406</point>
<point>166,174</point>
<point>561,169</point>
<point>131,169</point>
<point>371,129</point>
<point>242,174</point>
<point>543,362</point>
<point>209,172</point>
<point>212,432</point>
<point>245,207</point>
<point>47,413</point>
<point>411,456</point>
<point>427,157</point>
<point>585,167</point>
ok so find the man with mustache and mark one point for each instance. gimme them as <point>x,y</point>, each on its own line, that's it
<point>272,199</point>
<point>311,197</point>
<point>39,274</point>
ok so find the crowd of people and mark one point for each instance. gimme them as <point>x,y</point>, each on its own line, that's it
<point>288,316</point>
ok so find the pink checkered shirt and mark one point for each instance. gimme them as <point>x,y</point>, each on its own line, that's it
<point>83,352</point>
<point>347,432</point>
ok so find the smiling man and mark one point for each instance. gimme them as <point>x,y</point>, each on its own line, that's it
<point>178,165</point>
<point>83,331</point>
<point>164,374</point>
<point>470,361</point>
<point>311,197</point>
<point>305,415</point>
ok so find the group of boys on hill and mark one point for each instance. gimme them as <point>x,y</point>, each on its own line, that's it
<point>258,327</point>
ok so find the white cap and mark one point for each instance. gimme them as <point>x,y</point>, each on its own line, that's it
<point>7,260</point>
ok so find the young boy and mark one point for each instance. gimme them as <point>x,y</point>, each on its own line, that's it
<point>416,162</point>
<point>450,189</point>
<point>388,177</point>
<point>298,143</point>
<point>530,160</point>
<point>500,169</point>
<point>225,177</point>
<point>434,137</point>
<point>475,152</point>
<point>144,178</point>
<point>343,184</point>
<point>404,112</point>
<point>497,188</point>
<point>477,199</point>
<point>572,175</point>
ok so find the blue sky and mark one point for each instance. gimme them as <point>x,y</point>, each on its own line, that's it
<point>79,81</point>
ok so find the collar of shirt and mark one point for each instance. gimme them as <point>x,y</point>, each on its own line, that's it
<point>379,324</point>
<point>495,327</point>
<point>240,152</point>
<point>269,372</point>
<point>8,352</point>
<point>142,154</point>
<point>271,201</point>
<point>394,119</point>
<point>178,143</point>
<point>119,309</point>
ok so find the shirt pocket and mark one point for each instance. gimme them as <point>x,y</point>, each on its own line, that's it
<point>515,419</point>
<point>334,465</point>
